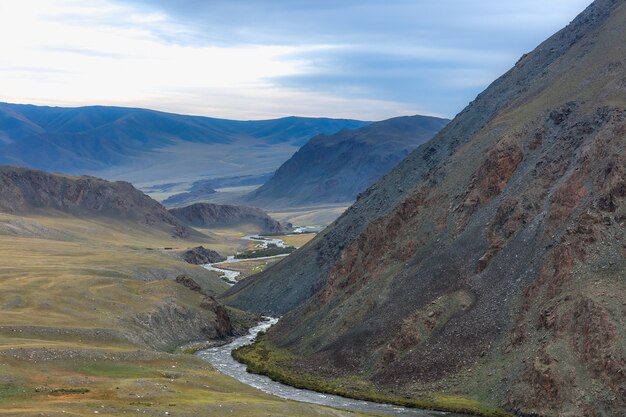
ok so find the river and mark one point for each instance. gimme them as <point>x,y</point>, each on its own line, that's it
<point>229,275</point>
<point>221,358</point>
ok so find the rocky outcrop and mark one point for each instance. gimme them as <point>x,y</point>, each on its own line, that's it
<point>223,326</point>
<point>336,168</point>
<point>489,264</point>
<point>171,325</point>
<point>201,256</point>
<point>24,191</point>
<point>189,283</point>
<point>215,216</point>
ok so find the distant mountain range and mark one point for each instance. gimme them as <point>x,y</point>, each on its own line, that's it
<point>149,147</point>
<point>335,168</point>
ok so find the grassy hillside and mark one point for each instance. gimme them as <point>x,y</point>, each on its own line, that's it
<point>88,313</point>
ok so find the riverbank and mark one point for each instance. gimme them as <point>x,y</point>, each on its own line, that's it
<point>222,360</point>
<point>263,358</point>
<point>265,248</point>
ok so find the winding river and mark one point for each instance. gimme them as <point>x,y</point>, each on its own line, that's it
<point>221,359</point>
<point>229,275</point>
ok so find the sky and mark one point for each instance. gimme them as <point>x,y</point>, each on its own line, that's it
<point>258,59</point>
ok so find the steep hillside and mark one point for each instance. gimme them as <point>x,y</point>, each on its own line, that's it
<point>214,216</point>
<point>24,191</point>
<point>150,147</point>
<point>334,169</point>
<point>490,263</point>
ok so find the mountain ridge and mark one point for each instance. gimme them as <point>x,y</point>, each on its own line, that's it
<point>120,142</point>
<point>489,264</point>
<point>335,168</point>
<point>33,191</point>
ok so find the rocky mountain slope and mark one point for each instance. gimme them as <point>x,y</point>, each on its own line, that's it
<point>25,191</point>
<point>490,264</point>
<point>149,147</point>
<point>215,216</point>
<point>335,168</point>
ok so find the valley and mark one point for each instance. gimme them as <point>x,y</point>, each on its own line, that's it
<point>91,320</point>
<point>162,264</point>
<point>94,320</point>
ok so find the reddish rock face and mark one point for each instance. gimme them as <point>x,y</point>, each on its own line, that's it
<point>491,178</point>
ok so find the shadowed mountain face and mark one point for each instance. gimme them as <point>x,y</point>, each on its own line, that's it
<point>491,262</point>
<point>28,191</point>
<point>215,216</point>
<point>334,169</point>
<point>128,143</point>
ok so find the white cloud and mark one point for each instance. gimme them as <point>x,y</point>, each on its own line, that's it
<point>253,59</point>
<point>58,54</point>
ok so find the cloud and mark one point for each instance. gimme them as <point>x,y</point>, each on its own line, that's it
<point>250,59</point>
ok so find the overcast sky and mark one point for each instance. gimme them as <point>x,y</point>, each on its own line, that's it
<point>251,59</point>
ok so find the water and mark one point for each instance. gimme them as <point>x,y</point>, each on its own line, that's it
<point>229,275</point>
<point>263,242</point>
<point>221,359</point>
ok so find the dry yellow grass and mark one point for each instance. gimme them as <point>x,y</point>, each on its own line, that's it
<point>68,288</point>
<point>319,217</point>
<point>297,240</point>
<point>249,267</point>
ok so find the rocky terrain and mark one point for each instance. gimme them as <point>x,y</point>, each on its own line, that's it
<point>26,191</point>
<point>490,263</point>
<point>200,256</point>
<point>335,168</point>
<point>207,215</point>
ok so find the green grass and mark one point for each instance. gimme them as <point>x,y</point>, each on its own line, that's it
<point>10,392</point>
<point>119,370</point>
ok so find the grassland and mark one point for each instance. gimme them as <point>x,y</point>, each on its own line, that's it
<point>297,240</point>
<point>77,300</point>
<point>249,266</point>
<point>318,216</point>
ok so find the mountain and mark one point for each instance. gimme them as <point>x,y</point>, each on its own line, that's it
<point>335,168</point>
<point>148,146</point>
<point>25,191</point>
<point>488,265</point>
<point>215,216</point>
